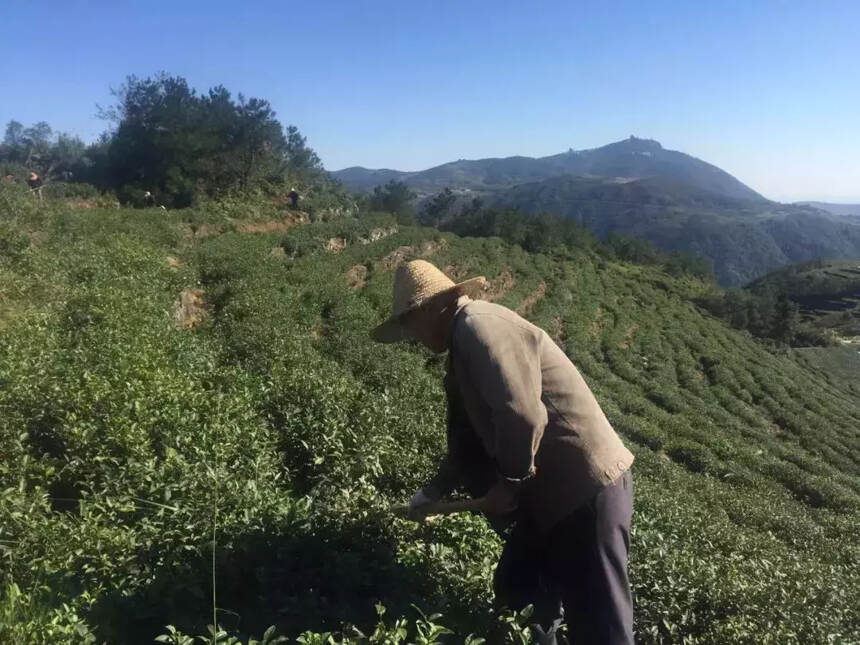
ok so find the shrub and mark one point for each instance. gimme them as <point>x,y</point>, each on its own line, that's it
<point>640,431</point>
<point>70,190</point>
<point>692,455</point>
<point>13,244</point>
<point>278,432</point>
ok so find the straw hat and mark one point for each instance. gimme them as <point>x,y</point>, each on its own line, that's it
<point>415,283</point>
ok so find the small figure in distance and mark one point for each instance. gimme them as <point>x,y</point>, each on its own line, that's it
<point>35,183</point>
<point>294,198</point>
<point>149,201</point>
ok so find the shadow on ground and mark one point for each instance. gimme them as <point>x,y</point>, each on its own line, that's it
<point>315,579</point>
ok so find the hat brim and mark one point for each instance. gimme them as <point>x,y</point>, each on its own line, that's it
<point>392,330</point>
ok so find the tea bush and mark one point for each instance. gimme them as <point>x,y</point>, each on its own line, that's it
<point>262,448</point>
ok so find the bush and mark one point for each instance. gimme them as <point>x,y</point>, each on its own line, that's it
<point>70,190</point>
<point>13,244</point>
<point>641,432</point>
<point>694,456</point>
<point>276,429</point>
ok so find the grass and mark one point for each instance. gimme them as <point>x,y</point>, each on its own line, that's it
<point>111,417</point>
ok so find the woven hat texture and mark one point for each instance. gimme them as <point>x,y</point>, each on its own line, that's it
<point>415,283</point>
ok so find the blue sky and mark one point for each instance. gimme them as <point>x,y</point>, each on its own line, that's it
<point>769,91</point>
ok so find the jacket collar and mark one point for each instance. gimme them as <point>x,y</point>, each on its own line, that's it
<point>462,301</point>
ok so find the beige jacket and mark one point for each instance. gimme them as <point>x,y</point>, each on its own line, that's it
<point>532,411</point>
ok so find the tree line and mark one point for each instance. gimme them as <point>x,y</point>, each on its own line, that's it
<point>765,314</point>
<point>543,233</point>
<point>170,143</point>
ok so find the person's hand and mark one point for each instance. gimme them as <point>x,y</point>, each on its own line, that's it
<point>419,505</point>
<point>501,498</point>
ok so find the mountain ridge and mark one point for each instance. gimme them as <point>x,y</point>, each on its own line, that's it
<point>741,239</point>
<point>847,210</point>
<point>637,187</point>
<point>632,158</point>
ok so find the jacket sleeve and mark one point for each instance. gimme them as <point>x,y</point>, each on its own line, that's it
<point>503,364</point>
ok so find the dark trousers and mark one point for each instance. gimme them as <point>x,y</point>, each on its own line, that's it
<point>580,565</point>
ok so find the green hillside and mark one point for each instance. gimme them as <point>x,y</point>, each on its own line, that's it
<point>828,293</point>
<point>639,188</point>
<point>836,209</point>
<point>139,429</point>
<point>742,239</point>
<point>835,363</point>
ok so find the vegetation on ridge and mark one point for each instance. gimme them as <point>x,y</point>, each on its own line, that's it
<point>170,145</point>
<point>635,187</point>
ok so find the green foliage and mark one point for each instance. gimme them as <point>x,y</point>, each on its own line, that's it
<point>13,244</point>
<point>632,249</point>
<point>38,148</point>
<point>395,198</point>
<point>741,236</point>
<point>693,455</point>
<point>536,234</point>
<point>764,314</point>
<point>24,620</point>
<point>551,234</point>
<point>277,428</point>
<point>438,207</point>
<point>178,144</point>
<point>72,190</point>
<point>826,295</point>
<point>678,264</point>
<point>171,146</point>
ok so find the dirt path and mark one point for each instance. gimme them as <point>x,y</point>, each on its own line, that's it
<point>532,299</point>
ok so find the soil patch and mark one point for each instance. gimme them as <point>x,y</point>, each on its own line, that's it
<point>558,329</point>
<point>173,262</point>
<point>458,272</point>
<point>594,327</point>
<point>625,342</point>
<point>396,257</point>
<point>499,286</point>
<point>335,244</point>
<point>377,234</point>
<point>356,277</point>
<point>203,230</point>
<point>429,247</point>
<point>532,299</point>
<point>267,226</point>
<point>190,310</point>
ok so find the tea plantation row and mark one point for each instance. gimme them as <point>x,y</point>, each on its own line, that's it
<point>278,429</point>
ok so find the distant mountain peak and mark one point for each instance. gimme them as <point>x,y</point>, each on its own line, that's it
<point>629,158</point>
<point>632,144</point>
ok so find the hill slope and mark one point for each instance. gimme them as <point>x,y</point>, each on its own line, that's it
<point>128,438</point>
<point>637,187</point>
<point>828,293</point>
<point>835,209</point>
<point>631,158</point>
<point>742,239</point>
